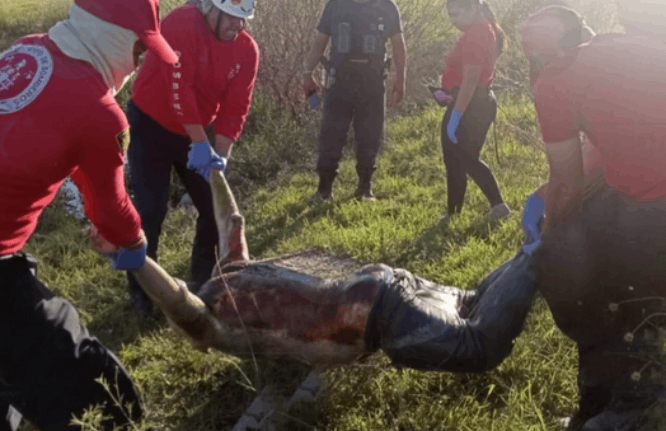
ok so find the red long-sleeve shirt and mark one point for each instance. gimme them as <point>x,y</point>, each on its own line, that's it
<point>213,81</point>
<point>59,119</point>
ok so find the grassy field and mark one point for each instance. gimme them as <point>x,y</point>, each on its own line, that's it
<point>188,390</point>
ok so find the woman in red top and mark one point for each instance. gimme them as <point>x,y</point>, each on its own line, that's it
<point>469,71</point>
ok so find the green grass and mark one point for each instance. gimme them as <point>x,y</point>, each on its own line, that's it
<point>188,390</point>
<point>185,389</point>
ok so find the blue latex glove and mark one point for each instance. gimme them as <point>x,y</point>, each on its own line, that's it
<point>532,240</point>
<point>125,259</point>
<point>201,158</point>
<point>533,214</point>
<point>452,127</point>
<point>219,162</point>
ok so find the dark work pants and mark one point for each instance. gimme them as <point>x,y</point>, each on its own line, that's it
<point>603,275</point>
<point>462,159</point>
<point>49,361</point>
<point>357,97</point>
<point>153,151</point>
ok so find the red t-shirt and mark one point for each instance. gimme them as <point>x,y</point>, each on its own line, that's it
<point>476,47</point>
<point>58,118</point>
<point>614,90</point>
<point>214,79</point>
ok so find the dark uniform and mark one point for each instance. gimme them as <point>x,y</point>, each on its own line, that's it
<point>355,88</point>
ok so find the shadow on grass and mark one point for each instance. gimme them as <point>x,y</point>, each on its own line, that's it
<point>440,238</point>
<point>225,405</point>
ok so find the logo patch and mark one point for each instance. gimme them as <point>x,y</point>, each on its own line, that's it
<point>236,2</point>
<point>24,72</point>
<point>234,71</point>
<point>123,139</point>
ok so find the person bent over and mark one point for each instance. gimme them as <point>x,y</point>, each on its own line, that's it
<point>171,107</point>
<point>600,263</point>
<point>355,91</point>
<point>59,118</point>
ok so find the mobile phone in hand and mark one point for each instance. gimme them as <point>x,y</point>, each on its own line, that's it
<point>441,96</point>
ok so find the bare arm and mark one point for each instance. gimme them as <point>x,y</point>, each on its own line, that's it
<point>196,132</point>
<point>400,58</point>
<point>471,75</point>
<point>309,83</point>
<point>566,183</point>
<point>223,145</point>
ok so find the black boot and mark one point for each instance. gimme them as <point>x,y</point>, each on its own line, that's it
<point>364,190</point>
<point>325,189</point>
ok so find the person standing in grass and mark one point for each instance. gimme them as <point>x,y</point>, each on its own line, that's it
<point>601,261</point>
<point>171,108</point>
<point>59,118</point>
<point>469,73</point>
<point>355,90</point>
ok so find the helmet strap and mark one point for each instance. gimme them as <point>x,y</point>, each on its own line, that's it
<point>218,24</point>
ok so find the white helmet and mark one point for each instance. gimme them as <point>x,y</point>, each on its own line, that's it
<point>239,8</point>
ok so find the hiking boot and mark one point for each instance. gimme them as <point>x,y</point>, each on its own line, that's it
<point>324,190</point>
<point>319,197</point>
<point>364,191</point>
<point>499,212</point>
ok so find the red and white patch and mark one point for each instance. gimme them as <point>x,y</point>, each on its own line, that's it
<point>24,72</point>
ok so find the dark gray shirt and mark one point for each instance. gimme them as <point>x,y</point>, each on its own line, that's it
<point>360,29</point>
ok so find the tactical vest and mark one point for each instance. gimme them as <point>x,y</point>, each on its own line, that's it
<point>359,34</point>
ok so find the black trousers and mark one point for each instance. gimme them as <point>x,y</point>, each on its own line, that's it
<point>462,159</point>
<point>603,275</point>
<point>153,151</point>
<point>49,361</point>
<point>356,98</point>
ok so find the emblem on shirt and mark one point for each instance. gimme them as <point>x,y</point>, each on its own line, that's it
<point>234,71</point>
<point>123,139</point>
<point>24,72</point>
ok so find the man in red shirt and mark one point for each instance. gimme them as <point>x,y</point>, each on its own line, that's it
<point>601,262</point>
<point>170,110</point>
<point>59,118</point>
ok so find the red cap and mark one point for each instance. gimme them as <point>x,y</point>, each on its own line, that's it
<point>140,16</point>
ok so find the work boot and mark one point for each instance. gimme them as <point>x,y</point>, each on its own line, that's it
<point>364,190</point>
<point>325,189</point>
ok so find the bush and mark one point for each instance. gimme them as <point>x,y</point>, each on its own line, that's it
<point>285,33</point>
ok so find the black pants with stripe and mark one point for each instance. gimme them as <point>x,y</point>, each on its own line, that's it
<point>48,360</point>
<point>462,159</point>
<point>357,98</point>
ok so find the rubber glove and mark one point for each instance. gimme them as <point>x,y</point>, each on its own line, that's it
<point>121,258</point>
<point>201,158</point>
<point>533,214</point>
<point>452,127</point>
<point>219,162</point>
<point>125,259</point>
